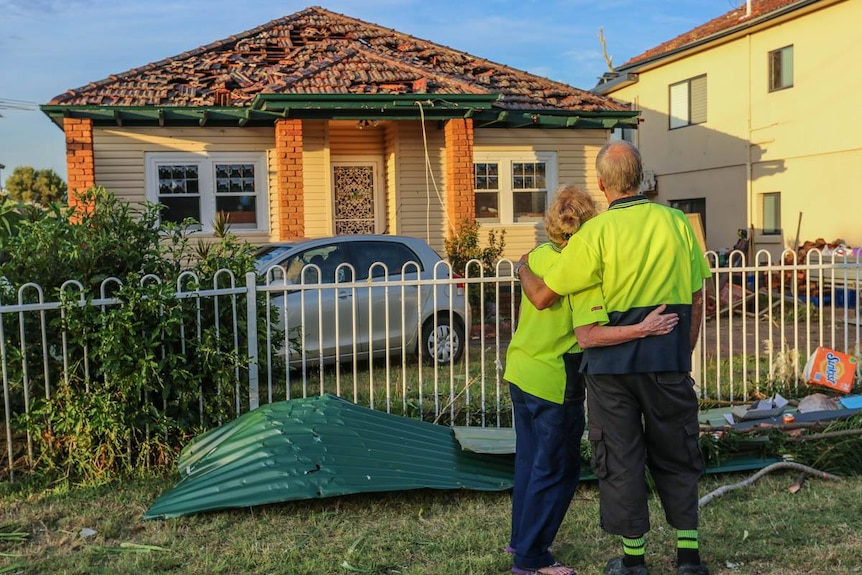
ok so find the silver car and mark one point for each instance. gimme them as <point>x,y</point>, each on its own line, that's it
<point>355,296</point>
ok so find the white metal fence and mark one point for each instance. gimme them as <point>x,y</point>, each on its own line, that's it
<point>762,319</point>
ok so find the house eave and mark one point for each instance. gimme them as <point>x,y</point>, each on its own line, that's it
<point>486,110</point>
<point>621,81</point>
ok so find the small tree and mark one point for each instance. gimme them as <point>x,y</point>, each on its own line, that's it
<point>463,247</point>
<point>27,184</point>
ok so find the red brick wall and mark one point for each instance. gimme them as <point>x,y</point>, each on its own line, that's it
<point>460,200</point>
<point>289,195</point>
<point>79,157</point>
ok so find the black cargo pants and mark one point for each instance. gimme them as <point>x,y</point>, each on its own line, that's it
<point>643,419</point>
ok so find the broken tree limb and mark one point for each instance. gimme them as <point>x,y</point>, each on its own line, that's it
<point>768,469</point>
<point>827,435</point>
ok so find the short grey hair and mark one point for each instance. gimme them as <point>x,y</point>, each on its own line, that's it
<point>619,166</point>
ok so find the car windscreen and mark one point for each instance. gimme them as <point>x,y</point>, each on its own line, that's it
<point>393,255</point>
<point>269,256</point>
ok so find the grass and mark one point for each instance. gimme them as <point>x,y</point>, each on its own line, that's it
<point>762,529</point>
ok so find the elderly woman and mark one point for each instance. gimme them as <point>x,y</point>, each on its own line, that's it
<point>547,390</point>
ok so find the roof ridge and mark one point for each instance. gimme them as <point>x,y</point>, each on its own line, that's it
<point>728,20</point>
<point>274,56</point>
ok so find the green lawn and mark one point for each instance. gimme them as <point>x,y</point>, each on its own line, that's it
<point>762,529</point>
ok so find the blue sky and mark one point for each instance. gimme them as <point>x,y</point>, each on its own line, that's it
<point>50,46</point>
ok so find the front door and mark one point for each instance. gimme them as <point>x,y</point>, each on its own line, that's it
<point>355,190</point>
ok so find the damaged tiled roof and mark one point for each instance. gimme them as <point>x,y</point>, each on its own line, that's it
<point>316,51</point>
<point>735,17</point>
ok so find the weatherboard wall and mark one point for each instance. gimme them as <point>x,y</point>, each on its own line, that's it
<point>120,163</point>
<point>413,188</point>
<point>575,151</point>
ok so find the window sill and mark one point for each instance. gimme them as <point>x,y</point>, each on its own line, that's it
<point>237,232</point>
<point>770,239</point>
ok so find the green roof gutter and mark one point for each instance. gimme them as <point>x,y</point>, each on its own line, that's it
<point>486,110</point>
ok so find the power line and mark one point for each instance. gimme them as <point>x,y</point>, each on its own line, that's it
<point>8,104</point>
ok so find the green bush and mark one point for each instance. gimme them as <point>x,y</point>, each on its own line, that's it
<point>150,371</point>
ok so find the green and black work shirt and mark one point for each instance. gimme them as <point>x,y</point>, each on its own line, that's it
<point>534,359</point>
<point>642,255</point>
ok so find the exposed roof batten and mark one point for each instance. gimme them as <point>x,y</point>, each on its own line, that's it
<point>315,61</point>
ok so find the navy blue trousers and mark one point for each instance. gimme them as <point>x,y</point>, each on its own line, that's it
<point>547,466</point>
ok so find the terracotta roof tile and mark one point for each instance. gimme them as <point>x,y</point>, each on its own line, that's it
<point>724,22</point>
<point>321,52</point>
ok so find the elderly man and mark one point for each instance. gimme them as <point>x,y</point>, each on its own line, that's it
<point>641,403</point>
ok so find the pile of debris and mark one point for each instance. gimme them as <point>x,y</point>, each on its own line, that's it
<point>826,252</point>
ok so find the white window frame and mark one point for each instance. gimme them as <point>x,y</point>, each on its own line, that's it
<point>206,162</point>
<point>504,161</point>
<point>784,56</point>
<point>687,102</point>
<point>770,209</point>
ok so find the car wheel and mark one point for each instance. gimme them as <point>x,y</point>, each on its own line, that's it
<point>442,341</point>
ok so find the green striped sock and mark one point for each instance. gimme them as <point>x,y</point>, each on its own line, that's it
<point>633,551</point>
<point>687,548</point>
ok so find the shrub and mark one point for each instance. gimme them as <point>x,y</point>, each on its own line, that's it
<point>150,371</point>
<point>468,258</point>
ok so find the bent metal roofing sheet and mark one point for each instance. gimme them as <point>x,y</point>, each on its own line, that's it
<point>322,447</point>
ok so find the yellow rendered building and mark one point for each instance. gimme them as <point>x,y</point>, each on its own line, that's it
<point>744,120</point>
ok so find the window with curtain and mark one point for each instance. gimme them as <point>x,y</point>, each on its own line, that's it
<point>200,186</point>
<point>513,187</point>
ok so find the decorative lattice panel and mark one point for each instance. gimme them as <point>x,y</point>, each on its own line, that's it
<point>354,199</point>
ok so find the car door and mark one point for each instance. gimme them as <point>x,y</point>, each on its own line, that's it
<point>320,315</point>
<point>387,314</point>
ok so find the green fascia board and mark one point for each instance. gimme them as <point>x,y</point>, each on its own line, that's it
<point>550,119</point>
<point>266,108</point>
<point>160,115</point>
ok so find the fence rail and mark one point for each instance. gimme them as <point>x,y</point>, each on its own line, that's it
<point>762,319</point>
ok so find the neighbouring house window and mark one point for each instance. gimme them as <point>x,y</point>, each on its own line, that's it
<point>199,186</point>
<point>771,213</point>
<point>781,68</point>
<point>487,188</point>
<point>688,102</point>
<point>625,134</point>
<point>692,206</point>
<point>513,187</point>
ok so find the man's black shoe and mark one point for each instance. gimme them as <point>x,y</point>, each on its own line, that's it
<point>616,567</point>
<point>692,569</point>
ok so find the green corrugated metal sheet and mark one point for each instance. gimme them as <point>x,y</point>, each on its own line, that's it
<point>321,447</point>
<point>326,446</point>
<point>502,441</point>
<point>496,440</point>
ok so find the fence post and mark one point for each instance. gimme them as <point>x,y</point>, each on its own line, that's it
<point>697,365</point>
<point>251,317</point>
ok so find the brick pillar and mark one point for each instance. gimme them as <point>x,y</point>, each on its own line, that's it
<point>460,200</point>
<point>291,200</point>
<point>80,164</point>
